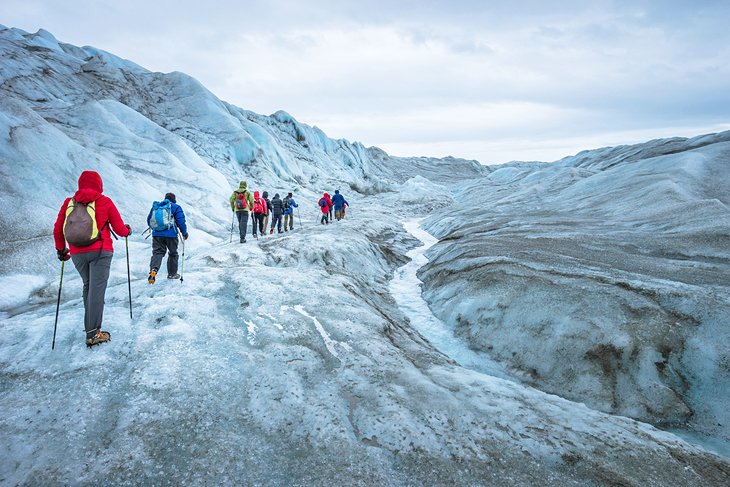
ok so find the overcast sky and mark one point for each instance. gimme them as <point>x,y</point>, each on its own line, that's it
<point>487,80</point>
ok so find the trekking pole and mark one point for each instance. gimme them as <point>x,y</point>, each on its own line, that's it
<point>58,304</point>
<point>129,277</point>
<point>233,217</point>
<point>182,267</point>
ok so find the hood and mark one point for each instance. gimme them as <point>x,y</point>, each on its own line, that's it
<point>266,194</point>
<point>326,195</point>
<point>276,196</point>
<point>90,187</point>
<point>337,191</point>
<point>242,186</point>
<point>256,194</point>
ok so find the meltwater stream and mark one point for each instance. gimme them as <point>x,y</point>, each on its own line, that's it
<point>406,289</point>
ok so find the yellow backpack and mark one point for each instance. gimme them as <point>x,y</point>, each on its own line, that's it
<point>79,228</point>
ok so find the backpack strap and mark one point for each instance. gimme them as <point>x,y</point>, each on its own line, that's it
<point>106,224</point>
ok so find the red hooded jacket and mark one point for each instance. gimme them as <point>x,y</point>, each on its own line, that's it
<point>90,189</point>
<point>326,208</point>
<point>257,199</point>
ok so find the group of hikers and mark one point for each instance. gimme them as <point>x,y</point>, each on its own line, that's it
<point>88,219</point>
<point>261,208</point>
<point>327,204</point>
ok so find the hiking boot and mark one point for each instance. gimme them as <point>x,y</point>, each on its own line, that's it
<point>243,240</point>
<point>271,232</point>
<point>152,276</point>
<point>173,276</point>
<point>100,337</point>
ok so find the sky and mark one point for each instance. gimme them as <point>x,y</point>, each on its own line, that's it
<point>488,80</point>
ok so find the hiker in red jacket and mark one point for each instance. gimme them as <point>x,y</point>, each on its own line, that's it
<point>260,211</point>
<point>325,204</point>
<point>93,260</point>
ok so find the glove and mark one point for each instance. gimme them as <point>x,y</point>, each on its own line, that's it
<point>63,254</point>
<point>185,237</point>
<point>128,228</point>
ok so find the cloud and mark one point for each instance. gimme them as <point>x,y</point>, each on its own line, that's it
<point>430,72</point>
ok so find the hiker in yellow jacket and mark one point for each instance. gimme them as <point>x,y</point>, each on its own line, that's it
<point>241,204</point>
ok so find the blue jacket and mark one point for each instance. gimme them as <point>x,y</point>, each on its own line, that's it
<point>339,201</point>
<point>179,216</point>
<point>292,204</point>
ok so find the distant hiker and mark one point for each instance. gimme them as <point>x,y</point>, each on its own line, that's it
<point>85,221</point>
<point>325,203</point>
<point>241,202</point>
<point>339,203</point>
<point>260,211</point>
<point>277,209</point>
<point>289,205</point>
<point>265,196</point>
<point>164,219</point>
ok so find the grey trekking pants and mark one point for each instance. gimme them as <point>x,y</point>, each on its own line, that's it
<point>94,270</point>
<point>276,221</point>
<point>242,224</point>
<point>160,246</point>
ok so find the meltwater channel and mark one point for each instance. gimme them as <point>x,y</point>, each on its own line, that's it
<point>406,289</point>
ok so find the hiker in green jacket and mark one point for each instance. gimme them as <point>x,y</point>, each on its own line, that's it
<point>241,203</point>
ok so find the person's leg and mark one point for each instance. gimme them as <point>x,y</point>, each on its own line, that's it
<point>81,262</point>
<point>245,222</point>
<point>172,257</point>
<point>98,272</point>
<point>242,224</point>
<point>158,252</point>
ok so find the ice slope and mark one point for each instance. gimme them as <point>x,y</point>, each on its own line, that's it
<point>64,109</point>
<point>284,361</point>
<point>602,278</point>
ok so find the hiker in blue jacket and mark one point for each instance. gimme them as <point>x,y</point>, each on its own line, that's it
<point>164,219</point>
<point>339,202</point>
<point>289,205</point>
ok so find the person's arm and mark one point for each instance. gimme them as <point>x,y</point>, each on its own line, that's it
<point>116,222</point>
<point>180,221</point>
<point>232,200</point>
<point>58,238</point>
